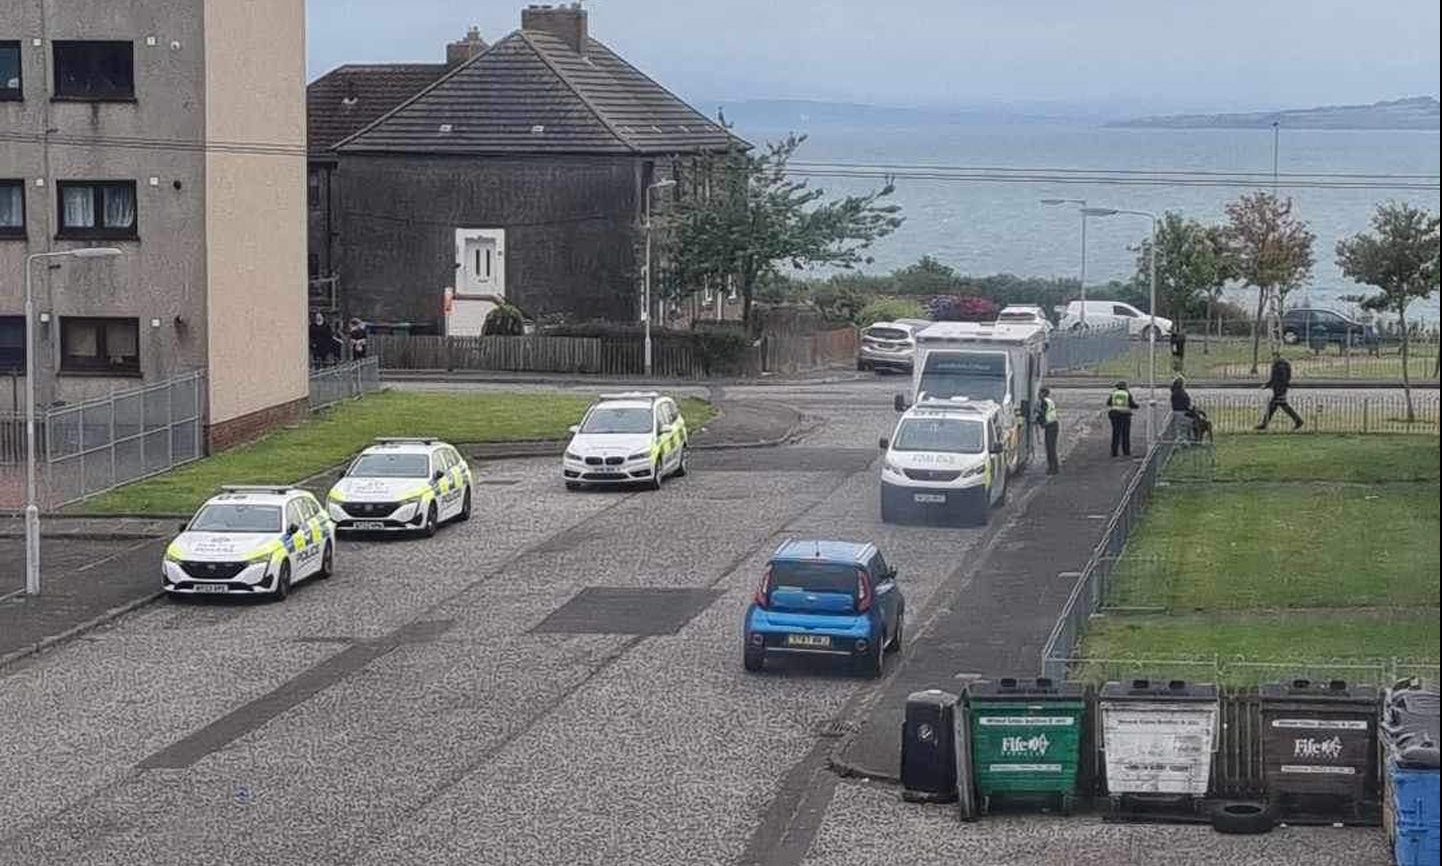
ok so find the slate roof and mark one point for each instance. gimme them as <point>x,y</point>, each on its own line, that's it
<point>530,93</point>
<point>349,98</point>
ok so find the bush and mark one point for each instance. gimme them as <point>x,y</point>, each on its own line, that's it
<point>963,308</point>
<point>506,320</point>
<point>839,302</point>
<point>889,310</point>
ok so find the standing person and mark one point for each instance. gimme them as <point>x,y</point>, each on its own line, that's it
<point>319,338</point>
<point>1182,413</point>
<point>1120,406</point>
<point>1279,382</point>
<point>1050,423</point>
<point>1179,349</point>
<point>357,336</point>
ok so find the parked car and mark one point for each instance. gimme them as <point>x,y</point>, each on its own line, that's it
<point>835,599</point>
<point>402,484</point>
<point>889,345</point>
<point>1110,313</point>
<point>1311,326</point>
<point>1025,314</point>
<point>629,438</point>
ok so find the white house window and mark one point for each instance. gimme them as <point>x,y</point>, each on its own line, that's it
<point>90,345</point>
<point>97,209</point>
<point>12,208</point>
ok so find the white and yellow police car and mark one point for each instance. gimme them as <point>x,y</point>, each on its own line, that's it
<point>402,485</point>
<point>945,463</point>
<point>630,438</point>
<point>251,540</point>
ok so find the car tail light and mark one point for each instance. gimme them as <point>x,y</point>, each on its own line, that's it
<point>763,589</point>
<point>863,592</point>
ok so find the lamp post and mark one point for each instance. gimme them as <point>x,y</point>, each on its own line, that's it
<point>1151,310</point>
<point>646,314</point>
<point>1083,203</point>
<point>32,506</point>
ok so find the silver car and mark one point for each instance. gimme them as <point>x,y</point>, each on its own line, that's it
<point>888,346</point>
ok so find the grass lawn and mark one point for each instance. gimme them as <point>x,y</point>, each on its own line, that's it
<point>1291,639</point>
<point>1315,549</point>
<point>1232,359</point>
<point>330,438</point>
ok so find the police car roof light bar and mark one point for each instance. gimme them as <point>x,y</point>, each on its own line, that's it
<point>404,440</point>
<point>256,488</point>
<point>632,395</point>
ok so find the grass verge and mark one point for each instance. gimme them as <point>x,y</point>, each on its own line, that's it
<point>331,437</point>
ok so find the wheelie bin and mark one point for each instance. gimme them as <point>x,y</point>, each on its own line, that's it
<point>1319,750</point>
<point>1410,733</point>
<point>928,748</point>
<point>1026,740</point>
<point>1157,741</point>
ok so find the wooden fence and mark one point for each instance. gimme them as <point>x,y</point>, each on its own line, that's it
<point>671,357</point>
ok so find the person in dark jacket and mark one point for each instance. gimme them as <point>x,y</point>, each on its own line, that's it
<point>1179,349</point>
<point>356,336</point>
<point>1279,382</point>
<point>1050,424</point>
<point>1184,414</point>
<point>1120,407</point>
<point>320,338</point>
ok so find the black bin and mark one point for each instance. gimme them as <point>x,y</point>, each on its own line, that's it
<point>1319,749</point>
<point>928,747</point>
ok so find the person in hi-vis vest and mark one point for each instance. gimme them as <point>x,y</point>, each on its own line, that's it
<point>1120,406</point>
<point>1050,424</point>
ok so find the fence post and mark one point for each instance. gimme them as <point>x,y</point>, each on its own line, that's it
<point>1366,402</point>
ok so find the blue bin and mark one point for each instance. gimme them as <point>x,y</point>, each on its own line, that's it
<point>1414,795</point>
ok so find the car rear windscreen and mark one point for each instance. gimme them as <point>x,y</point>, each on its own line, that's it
<point>887,334</point>
<point>814,576</point>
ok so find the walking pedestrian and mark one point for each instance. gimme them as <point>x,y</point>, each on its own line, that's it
<point>1179,349</point>
<point>1279,382</point>
<point>1120,407</point>
<point>1050,423</point>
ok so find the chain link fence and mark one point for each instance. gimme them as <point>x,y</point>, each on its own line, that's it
<point>1082,349</point>
<point>332,385</point>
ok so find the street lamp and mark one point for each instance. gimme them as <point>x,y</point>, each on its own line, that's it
<point>32,507</point>
<point>646,314</point>
<point>1151,311</point>
<point>1083,203</point>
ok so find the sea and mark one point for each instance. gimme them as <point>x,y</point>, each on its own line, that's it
<point>978,206</point>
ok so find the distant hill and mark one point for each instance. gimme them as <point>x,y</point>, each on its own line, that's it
<point>1419,112</point>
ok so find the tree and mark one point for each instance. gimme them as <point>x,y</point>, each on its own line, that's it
<point>1272,252</point>
<point>927,277</point>
<point>1192,268</point>
<point>754,217</point>
<point>1400,260</point>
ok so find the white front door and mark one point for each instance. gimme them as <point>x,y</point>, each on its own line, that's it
<point>480,279</point>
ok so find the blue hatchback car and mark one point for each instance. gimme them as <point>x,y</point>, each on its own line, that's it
<point>826,598</point>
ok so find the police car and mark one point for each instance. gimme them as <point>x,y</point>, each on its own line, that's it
<point>402,485</point>
<point>251,540</point>
<point>944,463</point>
<point>636,437</point>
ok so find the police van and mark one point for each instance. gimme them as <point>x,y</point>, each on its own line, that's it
<point>402,484</point>
<point>630,438</point>
<point>945,462</point>
<point>251,540</point>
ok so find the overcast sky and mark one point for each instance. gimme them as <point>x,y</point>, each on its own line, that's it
<point>1164,55</point>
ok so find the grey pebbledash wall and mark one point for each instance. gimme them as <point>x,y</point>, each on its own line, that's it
<point>571,231</point>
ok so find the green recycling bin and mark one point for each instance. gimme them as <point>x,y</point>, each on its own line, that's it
<point>1026,740</point>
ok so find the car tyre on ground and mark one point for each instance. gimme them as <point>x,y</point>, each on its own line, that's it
<point>282,583</point>
<point>753,660</point>
<point>656,471</point>
<point>1242,817</point>
<point>428,528</point>
<point>327,563</point>
<point>898,636</point>
<point>681,465</point>
<point>872,663</point>
<point>573,485</point>
<point>465,507</point>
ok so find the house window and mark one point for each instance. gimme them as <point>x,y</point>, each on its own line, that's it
<point>100,346</point>
<point>10,88</point>
<point>97,209</point>
<point>12,344</point>
<point>313,191</point>
<point>12,209</point>
<point>94,70</point>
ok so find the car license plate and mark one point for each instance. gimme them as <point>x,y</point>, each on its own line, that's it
<point>369,524</point>
<point>211,587</point>
<point>808,640</point>
<point>934,498</point>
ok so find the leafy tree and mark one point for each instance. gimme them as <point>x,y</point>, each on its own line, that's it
<point>753,217</point>
<point>1271,251</point>
<point>927,277</point>
<point>889,310</point>
<point>1192,268</point>
<point>1399,258</point>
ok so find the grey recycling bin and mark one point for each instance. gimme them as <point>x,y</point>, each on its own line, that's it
<point>928,747</point>
<point>1158,738</point>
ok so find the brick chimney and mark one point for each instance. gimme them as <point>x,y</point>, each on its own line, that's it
<point>459,52</point>
<point>566,23</point>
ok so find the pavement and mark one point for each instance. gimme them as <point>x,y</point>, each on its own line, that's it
<point>556,681</point>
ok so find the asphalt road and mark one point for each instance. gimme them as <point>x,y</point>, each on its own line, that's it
<point>430,704</point>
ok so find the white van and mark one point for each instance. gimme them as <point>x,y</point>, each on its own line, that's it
<point>945,463</point>
<point>1104,314</point>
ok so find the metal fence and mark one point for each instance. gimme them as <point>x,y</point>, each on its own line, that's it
<point>100,444</point>
<point>1082,349</point>
<point>331,385</point>
<point>1230,360</point>
<point>1325,412</point>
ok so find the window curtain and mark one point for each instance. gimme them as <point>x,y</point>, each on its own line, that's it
<point>121,341</point>
<point>119,207</point>
<point>84,340</point>
<point>11,215</point>
<point>79,207</point>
